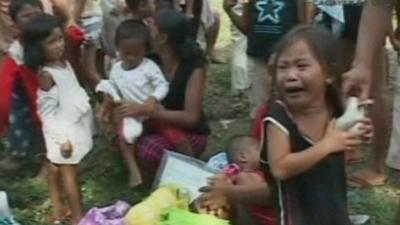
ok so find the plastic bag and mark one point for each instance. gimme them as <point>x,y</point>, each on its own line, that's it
<point>149,211</point>
<point>181,217</point>
<point>111,215</point>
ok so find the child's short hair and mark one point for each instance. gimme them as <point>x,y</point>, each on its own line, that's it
<point>325,49</point>
<point>37,31</point>
<point>132,29</point>
<point>17,5</point>
<point>238,142</point>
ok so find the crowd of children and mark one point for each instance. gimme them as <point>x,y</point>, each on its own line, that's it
<point>147,61</point>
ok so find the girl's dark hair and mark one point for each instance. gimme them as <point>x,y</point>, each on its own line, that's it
<point>17,5</point>
<point>325,49</point>
<point>132,29</point>
<point>37,31</point>
<point>177,28</point>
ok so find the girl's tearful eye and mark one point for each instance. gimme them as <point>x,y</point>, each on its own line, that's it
<point>282,67</point>
<point>303,67</point>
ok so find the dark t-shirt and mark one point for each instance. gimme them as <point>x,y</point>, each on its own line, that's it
<point>315,197</point>
<point>352,16</point>
<point>270,20</point>
<point>176,97</point>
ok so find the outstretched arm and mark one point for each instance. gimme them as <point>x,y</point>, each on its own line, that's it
<point>374,28</point>
<point>90,69</point>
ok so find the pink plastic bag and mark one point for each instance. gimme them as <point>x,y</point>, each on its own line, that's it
<point>110,215</point>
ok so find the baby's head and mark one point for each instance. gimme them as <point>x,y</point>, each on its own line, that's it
<point>244,151</point>
<point>132,40</point>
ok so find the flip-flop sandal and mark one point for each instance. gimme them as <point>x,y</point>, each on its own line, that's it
<point>354,160</point>
<point>359,182</point>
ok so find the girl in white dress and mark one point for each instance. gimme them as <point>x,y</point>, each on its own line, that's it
<point>65,112</point>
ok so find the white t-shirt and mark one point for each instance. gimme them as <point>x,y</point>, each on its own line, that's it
<point>140,83</point>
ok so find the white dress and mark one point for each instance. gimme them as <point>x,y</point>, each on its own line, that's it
<point>136,85</point>
<point>66,116</point>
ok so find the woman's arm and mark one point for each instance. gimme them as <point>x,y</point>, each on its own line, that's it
<point>63,7</point>
<point>310,11</point>
<point>286,164</point>
<point>374,28</point>
<point>79,7</point>
<point>89,68</point>
<point>242,22</point>
<point>193,106</point>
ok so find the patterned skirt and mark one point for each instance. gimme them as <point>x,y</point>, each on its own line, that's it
<point>23,134</point>
<point>150,149</point>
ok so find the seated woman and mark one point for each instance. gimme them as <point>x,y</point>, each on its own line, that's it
<point>183,65</point>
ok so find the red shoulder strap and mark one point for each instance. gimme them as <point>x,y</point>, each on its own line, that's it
<point>258,122</point>
<point>8,76</point>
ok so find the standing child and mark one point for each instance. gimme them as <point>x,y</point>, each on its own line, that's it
<point>135,79</point>
<point>303,149</point>
<point>18,118</point>
<point>65,112</point>
<point>264,23</point>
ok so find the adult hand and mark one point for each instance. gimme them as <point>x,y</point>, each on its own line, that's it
<point>358,79</point>
<point>129,109</point>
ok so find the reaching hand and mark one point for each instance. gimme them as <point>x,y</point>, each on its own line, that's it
<point>215,194</point>
<point>357,79</point>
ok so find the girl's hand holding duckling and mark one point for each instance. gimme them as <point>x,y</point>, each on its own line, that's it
<point>336,140</point>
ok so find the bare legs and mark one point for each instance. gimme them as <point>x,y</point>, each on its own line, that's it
<point>127,151</point>
<point>70,176</point>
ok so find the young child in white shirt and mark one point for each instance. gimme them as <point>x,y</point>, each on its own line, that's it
<point>134,80</point>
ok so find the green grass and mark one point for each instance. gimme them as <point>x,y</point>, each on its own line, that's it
<point>104,178</point>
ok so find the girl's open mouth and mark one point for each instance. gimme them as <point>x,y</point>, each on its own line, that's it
<point>294,90</point>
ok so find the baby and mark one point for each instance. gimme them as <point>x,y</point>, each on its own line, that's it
<point>243,182</point>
